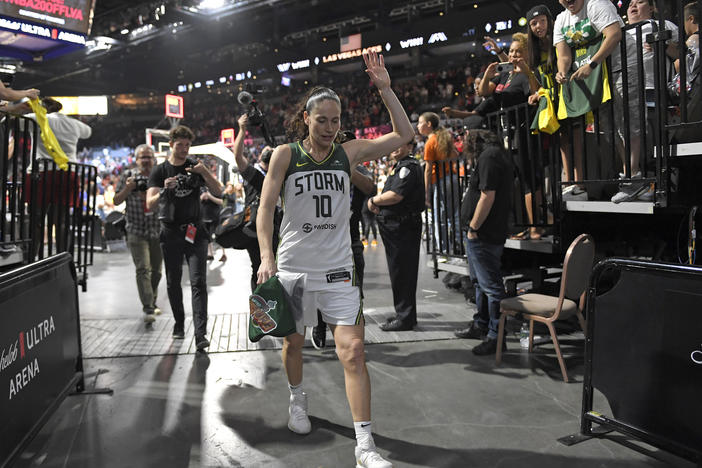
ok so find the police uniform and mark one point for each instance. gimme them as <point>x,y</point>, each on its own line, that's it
<point>400,228</point>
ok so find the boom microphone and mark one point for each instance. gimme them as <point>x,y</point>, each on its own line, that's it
<point>245,98</point>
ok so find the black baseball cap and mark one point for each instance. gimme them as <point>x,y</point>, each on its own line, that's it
<point>538,10</point>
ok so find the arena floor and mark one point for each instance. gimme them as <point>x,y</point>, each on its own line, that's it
<point>435,404</point>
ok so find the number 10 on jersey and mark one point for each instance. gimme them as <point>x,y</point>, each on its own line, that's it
<point>322,205</point>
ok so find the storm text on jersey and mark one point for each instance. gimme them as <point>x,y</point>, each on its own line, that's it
<point>319,180</point>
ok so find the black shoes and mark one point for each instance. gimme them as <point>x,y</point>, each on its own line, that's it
<point>488,346</point>
<point>178,331</point>
<point>319,336</point>
<point>396,325</point>
<point>473,332</point>
<point>201,343</point>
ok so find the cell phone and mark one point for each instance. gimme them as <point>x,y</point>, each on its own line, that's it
<point>503,67</point>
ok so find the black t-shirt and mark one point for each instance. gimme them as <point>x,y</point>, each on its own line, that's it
<point>493,171</point>
<point>185,197</point>
<point>253,183</point>
<point>358,198</point>
<point>511,89</point>
<point>406,179</point>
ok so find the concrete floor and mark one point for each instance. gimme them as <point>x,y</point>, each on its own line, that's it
<point>435,404</point>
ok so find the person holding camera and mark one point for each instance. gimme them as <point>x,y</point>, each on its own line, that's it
<point>174,187</point>
<point>253,175</point>
<point>142,229</point>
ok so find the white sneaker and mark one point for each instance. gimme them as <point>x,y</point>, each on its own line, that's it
<point>647,195</point>
<point>574,193</point>
<point>298,422</point>
<point>149,318</point>
<point>370,459</point>
<point>629,191</point>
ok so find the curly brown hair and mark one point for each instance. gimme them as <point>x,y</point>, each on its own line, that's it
<point>297,129</point>
<point>181,131</point>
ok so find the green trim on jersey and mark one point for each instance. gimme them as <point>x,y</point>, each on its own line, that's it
<point>301,161</point>
<point>359,317</point>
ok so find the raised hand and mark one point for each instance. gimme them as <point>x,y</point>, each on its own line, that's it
<point>491,45</point>
<point>375,67</point>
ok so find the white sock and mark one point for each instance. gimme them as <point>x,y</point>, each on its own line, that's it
<point>364,438</point>
<point>296,389</point>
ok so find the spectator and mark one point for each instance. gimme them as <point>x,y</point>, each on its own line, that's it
<point>638,11</point>
<point>488,208</point>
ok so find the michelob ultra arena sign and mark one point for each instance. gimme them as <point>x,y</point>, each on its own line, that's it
<point>39,347</point>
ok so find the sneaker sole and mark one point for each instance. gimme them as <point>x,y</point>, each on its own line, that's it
<point>298,432</point>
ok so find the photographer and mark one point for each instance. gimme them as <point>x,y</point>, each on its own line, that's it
<point>253,175</point>
<point>174,187</point>
<point>142,229</point>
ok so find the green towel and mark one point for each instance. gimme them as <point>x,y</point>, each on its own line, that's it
<point>270,313</point>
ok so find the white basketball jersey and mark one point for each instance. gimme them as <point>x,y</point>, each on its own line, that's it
<point>314,234</point>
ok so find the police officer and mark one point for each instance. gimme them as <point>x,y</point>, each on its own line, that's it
<point>399,210</point>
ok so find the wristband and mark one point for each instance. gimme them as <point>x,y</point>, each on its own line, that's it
<point>593,64</point>
<point>470,229</point>
<point>372,202</point>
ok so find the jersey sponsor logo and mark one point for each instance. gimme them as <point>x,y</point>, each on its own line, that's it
<point>319,180</point>
<point>299,164</point>
<point>308,227</point>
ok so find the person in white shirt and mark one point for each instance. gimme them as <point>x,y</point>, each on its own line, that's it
<point>67,130</point>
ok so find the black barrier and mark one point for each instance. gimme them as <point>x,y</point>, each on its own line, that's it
<point>16,156</point>
<point>62,209</point>
<point>644,353</point>
<point>40,348</point>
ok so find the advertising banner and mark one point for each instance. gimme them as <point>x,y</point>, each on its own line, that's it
<point>71,15</point>
<point>39,347</point>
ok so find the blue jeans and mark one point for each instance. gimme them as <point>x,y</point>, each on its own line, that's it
<point>484,260</point>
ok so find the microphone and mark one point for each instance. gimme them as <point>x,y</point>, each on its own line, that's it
<point>245,98</point>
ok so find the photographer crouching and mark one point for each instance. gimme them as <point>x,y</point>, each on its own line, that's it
<point>174,187</point>
<point>142,229</point>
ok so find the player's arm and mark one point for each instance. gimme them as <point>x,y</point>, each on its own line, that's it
<point>272,184</point>
<point>402,131</point>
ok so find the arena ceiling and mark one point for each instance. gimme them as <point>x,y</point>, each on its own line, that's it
<point>148,47</point>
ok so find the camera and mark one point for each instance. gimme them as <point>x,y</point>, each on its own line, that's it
<point>256,117</point>
<point>504,67</point>
<point>142,182</point>
<point>192,180</point>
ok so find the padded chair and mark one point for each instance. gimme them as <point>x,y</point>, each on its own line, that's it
<point>577,266</point>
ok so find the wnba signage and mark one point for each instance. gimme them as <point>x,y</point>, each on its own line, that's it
<point>71,15</point>
<point>39,347</point>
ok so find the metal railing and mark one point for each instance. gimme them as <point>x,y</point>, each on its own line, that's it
<point>43,210</point>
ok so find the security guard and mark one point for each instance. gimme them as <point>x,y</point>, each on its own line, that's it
<point>399,210</point>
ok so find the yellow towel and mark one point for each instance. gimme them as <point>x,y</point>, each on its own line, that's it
<point>47,135</point>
